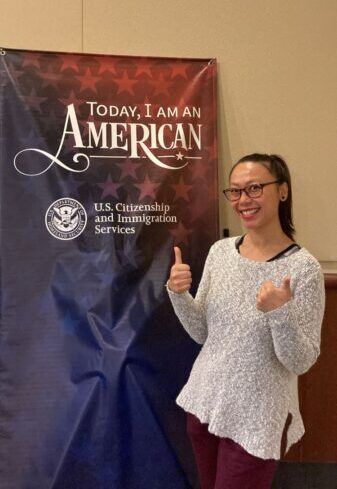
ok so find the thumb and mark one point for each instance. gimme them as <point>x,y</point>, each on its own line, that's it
<point>177,254</point>
<point>286,283</point>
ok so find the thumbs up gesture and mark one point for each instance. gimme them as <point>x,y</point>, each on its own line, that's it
<point>271,297</point>
<point>180,278</point>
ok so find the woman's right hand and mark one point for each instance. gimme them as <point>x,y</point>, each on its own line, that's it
<point>180,278</point>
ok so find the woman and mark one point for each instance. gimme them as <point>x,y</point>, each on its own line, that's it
<point>258,313</point>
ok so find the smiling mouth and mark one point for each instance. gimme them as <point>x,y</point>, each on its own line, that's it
<point>249,212</point>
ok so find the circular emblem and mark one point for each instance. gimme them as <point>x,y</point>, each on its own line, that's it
<point>66,218</point>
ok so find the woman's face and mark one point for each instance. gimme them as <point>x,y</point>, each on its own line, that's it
<point>257,212</point>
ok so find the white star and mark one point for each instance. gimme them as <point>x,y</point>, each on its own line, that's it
<point>179,156</point>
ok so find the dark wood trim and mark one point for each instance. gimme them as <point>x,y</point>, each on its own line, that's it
<point>330,280</point>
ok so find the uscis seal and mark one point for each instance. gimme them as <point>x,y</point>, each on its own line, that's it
<point>66,218</point>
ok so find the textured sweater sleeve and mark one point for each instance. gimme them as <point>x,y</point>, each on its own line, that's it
<point>191,311</point>
<point>296,326</point>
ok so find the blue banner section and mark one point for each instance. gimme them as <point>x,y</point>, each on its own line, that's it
<point>106,163</point>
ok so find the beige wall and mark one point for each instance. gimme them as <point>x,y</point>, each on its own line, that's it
<point>277,78</point>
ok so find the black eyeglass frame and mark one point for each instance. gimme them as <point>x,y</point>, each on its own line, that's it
<point>246,191</point>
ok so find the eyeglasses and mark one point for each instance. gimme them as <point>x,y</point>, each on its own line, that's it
<point>253,190</point>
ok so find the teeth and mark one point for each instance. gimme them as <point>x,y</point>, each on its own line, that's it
<point>249,211</point>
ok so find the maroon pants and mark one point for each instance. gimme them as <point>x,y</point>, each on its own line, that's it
<point>224,464</point>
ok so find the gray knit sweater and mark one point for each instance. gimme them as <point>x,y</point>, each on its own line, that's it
<point>244,380</point>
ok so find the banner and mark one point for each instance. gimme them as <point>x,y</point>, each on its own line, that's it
<point>106,163</point>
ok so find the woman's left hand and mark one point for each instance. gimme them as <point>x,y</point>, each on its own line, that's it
<point>271,297</point>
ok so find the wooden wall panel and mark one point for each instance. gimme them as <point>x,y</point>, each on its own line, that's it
<point>318,392</point>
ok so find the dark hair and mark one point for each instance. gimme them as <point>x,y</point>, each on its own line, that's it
<point>277,167</point>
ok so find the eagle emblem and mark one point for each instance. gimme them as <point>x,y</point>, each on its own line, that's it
<point>66,218</point>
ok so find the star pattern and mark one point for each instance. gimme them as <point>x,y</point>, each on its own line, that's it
<point>179,69</point>
<point>144,69</point>
<point>125,84</point>
<point>88,81</point>
<point>128,168</point>
<point>31,60</point>
<point>71,62</point>
<point>50,79</point>
<point>181,189</point>
<point>110,187</point>
<point>106,65</point>
<point>72,99</point>
<point>147,188</point>
<point>33,100</point>
<point>161,86</point>
<point>53,81</point>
